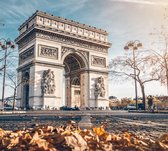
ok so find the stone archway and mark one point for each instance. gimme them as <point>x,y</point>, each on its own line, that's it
<point>74,66</point>
<point>50,43</point>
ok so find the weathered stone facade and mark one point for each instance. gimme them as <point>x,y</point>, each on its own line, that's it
<point>66,62</point>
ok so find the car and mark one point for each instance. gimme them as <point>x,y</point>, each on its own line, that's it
<point>131,107</point>
<point>140,106</point>
<point>8,108</point>
<point>65,108</point>
<point>76,109</point>
<point>88,108</point>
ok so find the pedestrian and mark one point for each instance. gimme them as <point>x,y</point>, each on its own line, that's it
<point>150,102</point>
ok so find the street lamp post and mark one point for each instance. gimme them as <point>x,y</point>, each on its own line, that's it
<point>5,44</point>
<point>134,45</point>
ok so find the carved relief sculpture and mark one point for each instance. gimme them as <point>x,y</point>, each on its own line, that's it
<point>98,61</point>
<point>48,52</point>
<point>48,82</point>
<point>99,88</point>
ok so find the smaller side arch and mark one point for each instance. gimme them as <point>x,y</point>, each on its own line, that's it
<point>75,81</point>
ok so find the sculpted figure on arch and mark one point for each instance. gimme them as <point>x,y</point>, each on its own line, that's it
<point>99,87</point>
<point>47,82</point>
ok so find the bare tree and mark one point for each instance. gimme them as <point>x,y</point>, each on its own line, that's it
<point>2,58</point>
<point>14,85</point>
<point>122,68</point>
<point>161,53</point>
<point>11,74</point>
<point>162,60</point>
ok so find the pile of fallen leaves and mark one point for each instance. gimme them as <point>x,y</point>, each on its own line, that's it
<point>68,138</point>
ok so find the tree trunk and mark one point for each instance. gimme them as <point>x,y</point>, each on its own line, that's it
<point>167,78</point>
<point>14,99</point>
<point>143,95</point>
<point>166,66</point>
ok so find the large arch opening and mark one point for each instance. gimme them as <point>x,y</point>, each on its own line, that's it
<point>74,66</point>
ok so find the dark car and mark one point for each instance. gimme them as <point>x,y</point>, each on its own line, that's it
<point>65,108</point>
<point>76,109</point>
<point>140,106</point>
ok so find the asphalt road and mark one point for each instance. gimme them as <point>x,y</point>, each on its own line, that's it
<point>51,115</point>
<point>115,120</point>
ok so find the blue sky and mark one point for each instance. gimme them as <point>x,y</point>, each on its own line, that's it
<point>125,20</point>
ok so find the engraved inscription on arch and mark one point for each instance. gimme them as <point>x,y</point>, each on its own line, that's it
<point>48,52</point>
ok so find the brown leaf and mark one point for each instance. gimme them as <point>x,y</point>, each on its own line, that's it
<point>2,132</point>
<point>164,138</point>
<point>76,142</point>
<point>99,130</point>
<point>27,136</point>
<point>162,146</point>
<point>13,142</point>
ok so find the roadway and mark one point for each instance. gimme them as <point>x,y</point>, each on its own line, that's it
<point>122,119</point>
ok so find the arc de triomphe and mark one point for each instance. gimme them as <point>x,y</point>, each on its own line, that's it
<point>61,62</point>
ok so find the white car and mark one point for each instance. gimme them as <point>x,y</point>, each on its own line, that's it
<point>131,107</point>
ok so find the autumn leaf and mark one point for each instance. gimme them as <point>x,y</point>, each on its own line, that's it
<point>61,138</point>
<point>99,130</point>
<point>164,138</point>
<point>35,138</point>
<point>76,142</point>
<point>13,142</point>
<point>2,133</point>
<point>27,136</point>
<point>162,146</point>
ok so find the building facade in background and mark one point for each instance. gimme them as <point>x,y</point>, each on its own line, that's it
<point>61,62</point>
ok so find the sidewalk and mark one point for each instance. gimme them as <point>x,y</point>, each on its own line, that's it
<point>156,111</point>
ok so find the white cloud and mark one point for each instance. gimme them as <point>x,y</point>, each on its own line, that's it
<point>67,8</point>
<point>149,2</point>
<point>16,11</point>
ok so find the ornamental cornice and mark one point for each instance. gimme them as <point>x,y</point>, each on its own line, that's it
<point>26,40</point>
<point>72,41</point>
<point>71,35</point>
<point>24,35</point>
<point>63,20</point>
<point>41,63</point>
<point>98,71</point>
<point>36,27</point>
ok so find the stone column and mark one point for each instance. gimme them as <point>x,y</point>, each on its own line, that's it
<point>68,92</point>
<point>84,88</point>
<point>19,89</point>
